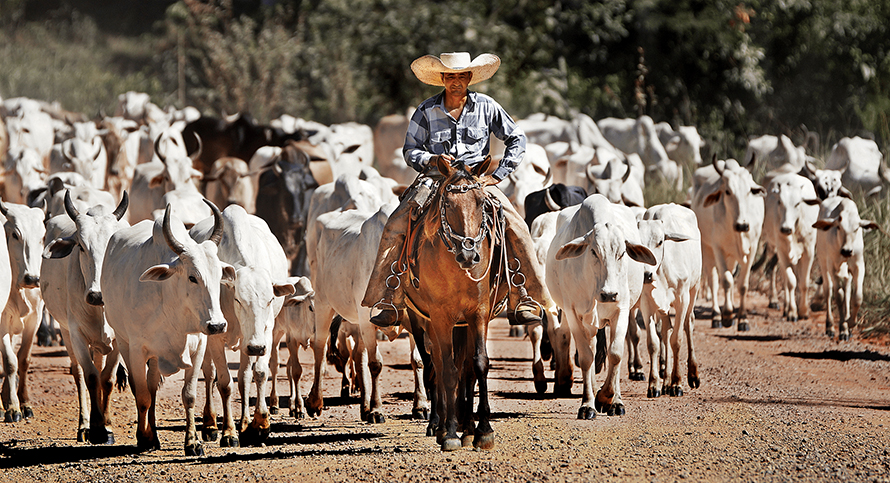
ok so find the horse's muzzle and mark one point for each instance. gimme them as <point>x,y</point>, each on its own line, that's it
<point>467,259</point>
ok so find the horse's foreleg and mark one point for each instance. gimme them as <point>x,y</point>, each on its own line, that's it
<point>484,434</point>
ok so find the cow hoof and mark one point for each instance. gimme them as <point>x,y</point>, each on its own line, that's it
<point>27,412</point>
<point>83,435</point>
<point>196,449</point>
<point>209,435</point>
<point>653,392</point>
<point>273,409</point>
<point>13,416</point>
<point>451,444</point>
<point>466,440</point>
<point>229,442</point>
<point>562,390</point>
<point>344,393</point>
<point>694,382</point>
<point>614,410</point>
<point>375,418</point>
<point>101,436</point>
<point>430,430</point>
<point>636,376</point>
<point>792,319</point>
<point>743,327</point>
<point>726,322</point>
<point>674,391</point>
<point>483,441</point>
<point>421,413</point>
<point>773,305</point>
<point>829,333</point>
<point>586,412</point>
<point>541,387</point>
<point>313,413</point>
<point>253,436</point>
<point>715,324</point>
<point>843,337</point>
<point>297,414</point>
<point>661,373</point>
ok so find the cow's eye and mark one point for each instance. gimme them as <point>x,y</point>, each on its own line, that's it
<point>15,235</point>
<point>193,279</point>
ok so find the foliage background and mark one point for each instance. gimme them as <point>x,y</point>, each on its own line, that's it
<point>816,70</point>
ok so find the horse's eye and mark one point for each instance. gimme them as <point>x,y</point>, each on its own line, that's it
<point>193,279</point>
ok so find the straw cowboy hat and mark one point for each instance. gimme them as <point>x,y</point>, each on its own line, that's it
<point>429,68</point>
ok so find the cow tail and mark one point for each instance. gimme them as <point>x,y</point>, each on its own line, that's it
<point>546,347</point>
<point>333,355</point>
<point>121,382</point>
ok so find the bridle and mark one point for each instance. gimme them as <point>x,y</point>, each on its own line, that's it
<point>454,242</point>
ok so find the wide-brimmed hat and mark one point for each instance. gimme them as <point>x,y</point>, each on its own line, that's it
<point>429,68</point>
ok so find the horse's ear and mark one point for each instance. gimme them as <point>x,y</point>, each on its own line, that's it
<point>484,168</point>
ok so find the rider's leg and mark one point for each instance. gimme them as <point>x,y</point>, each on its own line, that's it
<point>385,289</point>
<point>529,294</point>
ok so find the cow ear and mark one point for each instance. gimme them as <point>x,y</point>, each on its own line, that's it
<point>758,191</point>
<point>675,237</point>
<point>156,181</point>
<point>291,301</point>
<point>59,248</point>
<point>844,192</point>
<point>228,273</point>
<point>572,249</point>
<point>157,273</point>
<point>282,289</point>
<point>640,253</point>
<point>869,225</point>
<point>823,225</point>
<point>712,198</point>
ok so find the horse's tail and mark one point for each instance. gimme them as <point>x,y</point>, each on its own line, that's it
<point>121,382</point>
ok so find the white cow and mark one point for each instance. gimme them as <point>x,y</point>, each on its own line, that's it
<point>24,173</point>
<point>345,252</point>
<point>532,174</point>
<point>161,293</point>
<point>131,105</point>
<point>24,239</point>
<point>173,170</point>
<point>639,136</point>
<point>839,248</point>
<point>860,163</point>
<point>772,152</point>
<point>70,285</point>
<point>389,138</point>
<point>250,302</point>
<point>542,231</point>
<point>32,129</point>
<point>296,324</point>
<point>671,233</point>
<point>229,183</point>
<point>729,207</point>
<point>789,214</point>
<point>595,285</point>
<point>86,157</point>
<point>619,181</point>
<point>683,145</point>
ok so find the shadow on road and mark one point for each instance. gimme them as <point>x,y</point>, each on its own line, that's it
<point>842,356</point>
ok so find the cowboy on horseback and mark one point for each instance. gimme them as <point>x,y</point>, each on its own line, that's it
<point>450,126</point>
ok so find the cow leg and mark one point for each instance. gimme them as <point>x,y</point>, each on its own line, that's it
<point>209,428</point>
<point>673,386</point>
<point>683,309</point>
<point>586,346</point>
<point>375,368</point>
<point>561,342</point>
<point>245,379</point>
<point>857,277</point>
<point>31,324</point>
<point>10,367</point>
<point>608,398</point>
<point>727,283</point>
<point>828,282</point>
<point>421,409</point>
<point>259,428</point>
<point>535,335</point>
<point>144,385</point>
<point>803,270</point>
<point>634,363</point>
<point>226,387</point>
<point>274,365</point>
<point>790,294</point>
<point>710,278</point>
<point>323,318</point>
<point>846,317</point>
<point>744,278</point>
<point>193,444</point>
<point>83,428</point>
<point>484,434</point>
<point>109,371</point>
<point>294,372</point>
<point>77,344</point>
<point>773,297</point>
<point>654,345</point>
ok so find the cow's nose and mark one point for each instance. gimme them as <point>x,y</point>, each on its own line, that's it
<point>647,277</point>
<point>95,298</point>
<point>31,281</point>
<point>741,227</point>
<point>846,252</point>
<point>608,296</point>
<point>216,328</point>
<point>785,230</point>
<point>256,350</point>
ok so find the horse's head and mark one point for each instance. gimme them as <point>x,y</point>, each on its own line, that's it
<point>466,213</point>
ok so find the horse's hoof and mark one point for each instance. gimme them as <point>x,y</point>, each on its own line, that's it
<point>420,413</point>
<point>466,440</point>
<point>715,324</point>
<point>209,435</point>
<point>27,412</point>
<point>451,444</point>
<point>196,449</point>
<point>254,436</point>
<point>773,305</point>
<point>83,435</point>
<point>541,387</point>
<point>297,413</point>
<point>229,442</point>
<point>13,416</point>
<point>726,321</point>
<point>636,376</point>
<point>273,409</point>
<point>562,390</point>
<point>101,436</point>
<point>586,412</point>
<point>653,392</point>
<point>694,382</point>
<point>145,445</point>
<point>484,441</point>
<point>743,327</point>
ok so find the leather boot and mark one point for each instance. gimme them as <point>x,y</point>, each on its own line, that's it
<point>528,312</point>
<point>387,317</point>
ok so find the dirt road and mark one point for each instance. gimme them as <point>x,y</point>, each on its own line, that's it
<point>781,402</point>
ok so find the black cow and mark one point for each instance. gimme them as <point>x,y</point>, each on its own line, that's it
<point>552,198</point>
<point>282,200</point>
<point>240,138</point>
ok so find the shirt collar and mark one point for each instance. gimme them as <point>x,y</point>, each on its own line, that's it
<point>471,101</point>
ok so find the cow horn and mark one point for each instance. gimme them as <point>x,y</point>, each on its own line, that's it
<point>174,245</point>
<point>218,223</point>
<point>590,176</point>
<point>548,178</point>
<point>122,206</point>
<point>158,150</point>
<point>69,206</point>
<point>97,142</point>
<point>626,173</point>
<point>197,153</point>
<point>3,209</point>
<point>68,150</point>
<point>552,205</point>
<point>716,167</point>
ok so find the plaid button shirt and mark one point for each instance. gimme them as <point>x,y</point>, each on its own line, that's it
<point>433,131</point>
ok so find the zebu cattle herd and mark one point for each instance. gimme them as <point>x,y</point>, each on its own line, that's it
<point>158,240</point>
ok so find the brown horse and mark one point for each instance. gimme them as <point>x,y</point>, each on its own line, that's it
<point>455,282</point>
